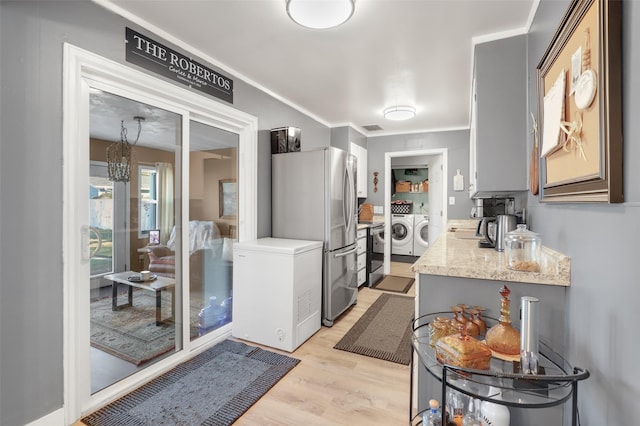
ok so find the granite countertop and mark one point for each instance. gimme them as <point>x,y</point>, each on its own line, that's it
<point>456,254</point>
<point>365,224</point>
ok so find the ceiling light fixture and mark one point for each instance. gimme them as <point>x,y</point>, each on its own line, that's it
<point>320,14</point>
<point>399,112</point>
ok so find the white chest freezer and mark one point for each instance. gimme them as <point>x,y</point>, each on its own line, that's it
<point>277,291</point>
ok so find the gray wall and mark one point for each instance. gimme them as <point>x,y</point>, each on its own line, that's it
<point>31,310</point>
<point>602,240</point>
<point>457,143</point>
<point>341,137</point>
<point>357,138</point>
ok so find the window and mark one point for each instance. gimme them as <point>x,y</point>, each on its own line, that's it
<point>147,200</point>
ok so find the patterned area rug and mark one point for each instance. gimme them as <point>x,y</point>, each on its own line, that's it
<point>214,388</point>
<point>384,331</point>
<point>131,333</point>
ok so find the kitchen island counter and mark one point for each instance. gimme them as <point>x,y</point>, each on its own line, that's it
<point>455,256</point>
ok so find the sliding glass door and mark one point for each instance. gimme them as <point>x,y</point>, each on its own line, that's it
<point>213,219</point>
<point>134,320</point>
<point>160,261</point>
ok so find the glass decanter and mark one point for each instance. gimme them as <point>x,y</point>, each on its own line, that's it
<point>502,337</point>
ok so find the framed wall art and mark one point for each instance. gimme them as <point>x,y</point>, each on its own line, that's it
<point>580,106</point>
<point>228,196</point>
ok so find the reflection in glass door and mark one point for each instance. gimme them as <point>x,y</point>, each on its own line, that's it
<point>135,319</point>
<point>213,223</point>
<point>101,210</point>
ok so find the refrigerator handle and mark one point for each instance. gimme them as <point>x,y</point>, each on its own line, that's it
<point>350,198</point>
<point>346,253</point>
<point>345,215</point>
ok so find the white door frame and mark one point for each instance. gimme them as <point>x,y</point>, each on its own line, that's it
<point>84,70</point>
<point>387,193</point>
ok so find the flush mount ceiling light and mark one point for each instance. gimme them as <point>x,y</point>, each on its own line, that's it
<point>320,14</point>
<point>399,112</point>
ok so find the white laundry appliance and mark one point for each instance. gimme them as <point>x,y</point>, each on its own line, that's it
<point>420,234</point>
<point>402,234</point>
<point>277,291</point>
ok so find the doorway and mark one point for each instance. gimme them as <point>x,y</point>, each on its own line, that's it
<point>437,194</point>
<point>86,73</point>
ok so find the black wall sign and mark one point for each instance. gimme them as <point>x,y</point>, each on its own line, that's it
<point>149,54</point>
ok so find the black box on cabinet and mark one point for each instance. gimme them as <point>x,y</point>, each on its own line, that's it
<point>285,139</point>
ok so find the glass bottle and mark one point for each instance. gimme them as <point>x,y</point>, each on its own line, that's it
<point>502,337</point>
<point>472,417</point>
<point>492,413</point>
<point>455,406</point>
<point>433,417</point>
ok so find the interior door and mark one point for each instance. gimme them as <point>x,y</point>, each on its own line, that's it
<point>435,198</point>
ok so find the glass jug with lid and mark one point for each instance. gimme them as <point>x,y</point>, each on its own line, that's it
<point>523,249</point>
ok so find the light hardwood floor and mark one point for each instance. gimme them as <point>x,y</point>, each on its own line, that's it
<point>334,387</point>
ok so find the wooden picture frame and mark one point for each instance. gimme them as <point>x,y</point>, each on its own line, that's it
<point>584,163</point>
<point>227,198</point>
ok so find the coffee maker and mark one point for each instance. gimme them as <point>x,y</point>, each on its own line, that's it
<point>492,207</point>
<point>487,209</point>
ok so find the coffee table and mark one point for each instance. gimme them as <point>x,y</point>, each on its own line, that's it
<point>156,285</point>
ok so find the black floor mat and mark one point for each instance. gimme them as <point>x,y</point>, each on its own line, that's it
<point>404,259</point>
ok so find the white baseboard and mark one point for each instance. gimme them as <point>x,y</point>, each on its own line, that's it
<point>52,419</point>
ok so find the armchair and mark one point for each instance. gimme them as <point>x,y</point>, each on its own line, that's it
<point>205,250</point>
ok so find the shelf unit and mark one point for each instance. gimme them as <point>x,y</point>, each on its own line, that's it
<point>558,384</point>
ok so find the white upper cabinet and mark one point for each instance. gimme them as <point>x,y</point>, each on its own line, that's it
<point>499,118</point>
<point>361,177</point>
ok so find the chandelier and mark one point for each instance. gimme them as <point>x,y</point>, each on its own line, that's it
<point>119,154</point>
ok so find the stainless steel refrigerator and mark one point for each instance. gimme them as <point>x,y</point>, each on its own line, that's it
<point>314,198</point>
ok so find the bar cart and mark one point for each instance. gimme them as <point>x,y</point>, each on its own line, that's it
<point>555,383</point>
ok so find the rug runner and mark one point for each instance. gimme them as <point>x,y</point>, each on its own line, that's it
<point>384,331</point>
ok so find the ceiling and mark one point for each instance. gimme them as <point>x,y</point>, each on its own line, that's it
<point>158,128</point>
<point>391,52</point>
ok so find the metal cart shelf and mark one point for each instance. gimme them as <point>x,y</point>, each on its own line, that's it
<point>558,383</point>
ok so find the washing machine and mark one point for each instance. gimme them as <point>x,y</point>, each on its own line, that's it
<point>420,234</point>
<point>402,234</point>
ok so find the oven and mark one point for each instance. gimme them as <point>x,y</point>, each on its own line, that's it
<point>375,252</point>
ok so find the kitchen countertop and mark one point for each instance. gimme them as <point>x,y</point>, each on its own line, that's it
<point>365,224</point>
<point>455,255</point>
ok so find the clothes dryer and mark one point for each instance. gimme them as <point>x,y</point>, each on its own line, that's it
<point>402,234</point>
<point>420,234</point>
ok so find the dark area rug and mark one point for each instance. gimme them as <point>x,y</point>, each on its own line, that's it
<point>131,333</point>
<point>384,331</point>
<point>404,259</point>
<point>393,283</point>
<point>214,388</point>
